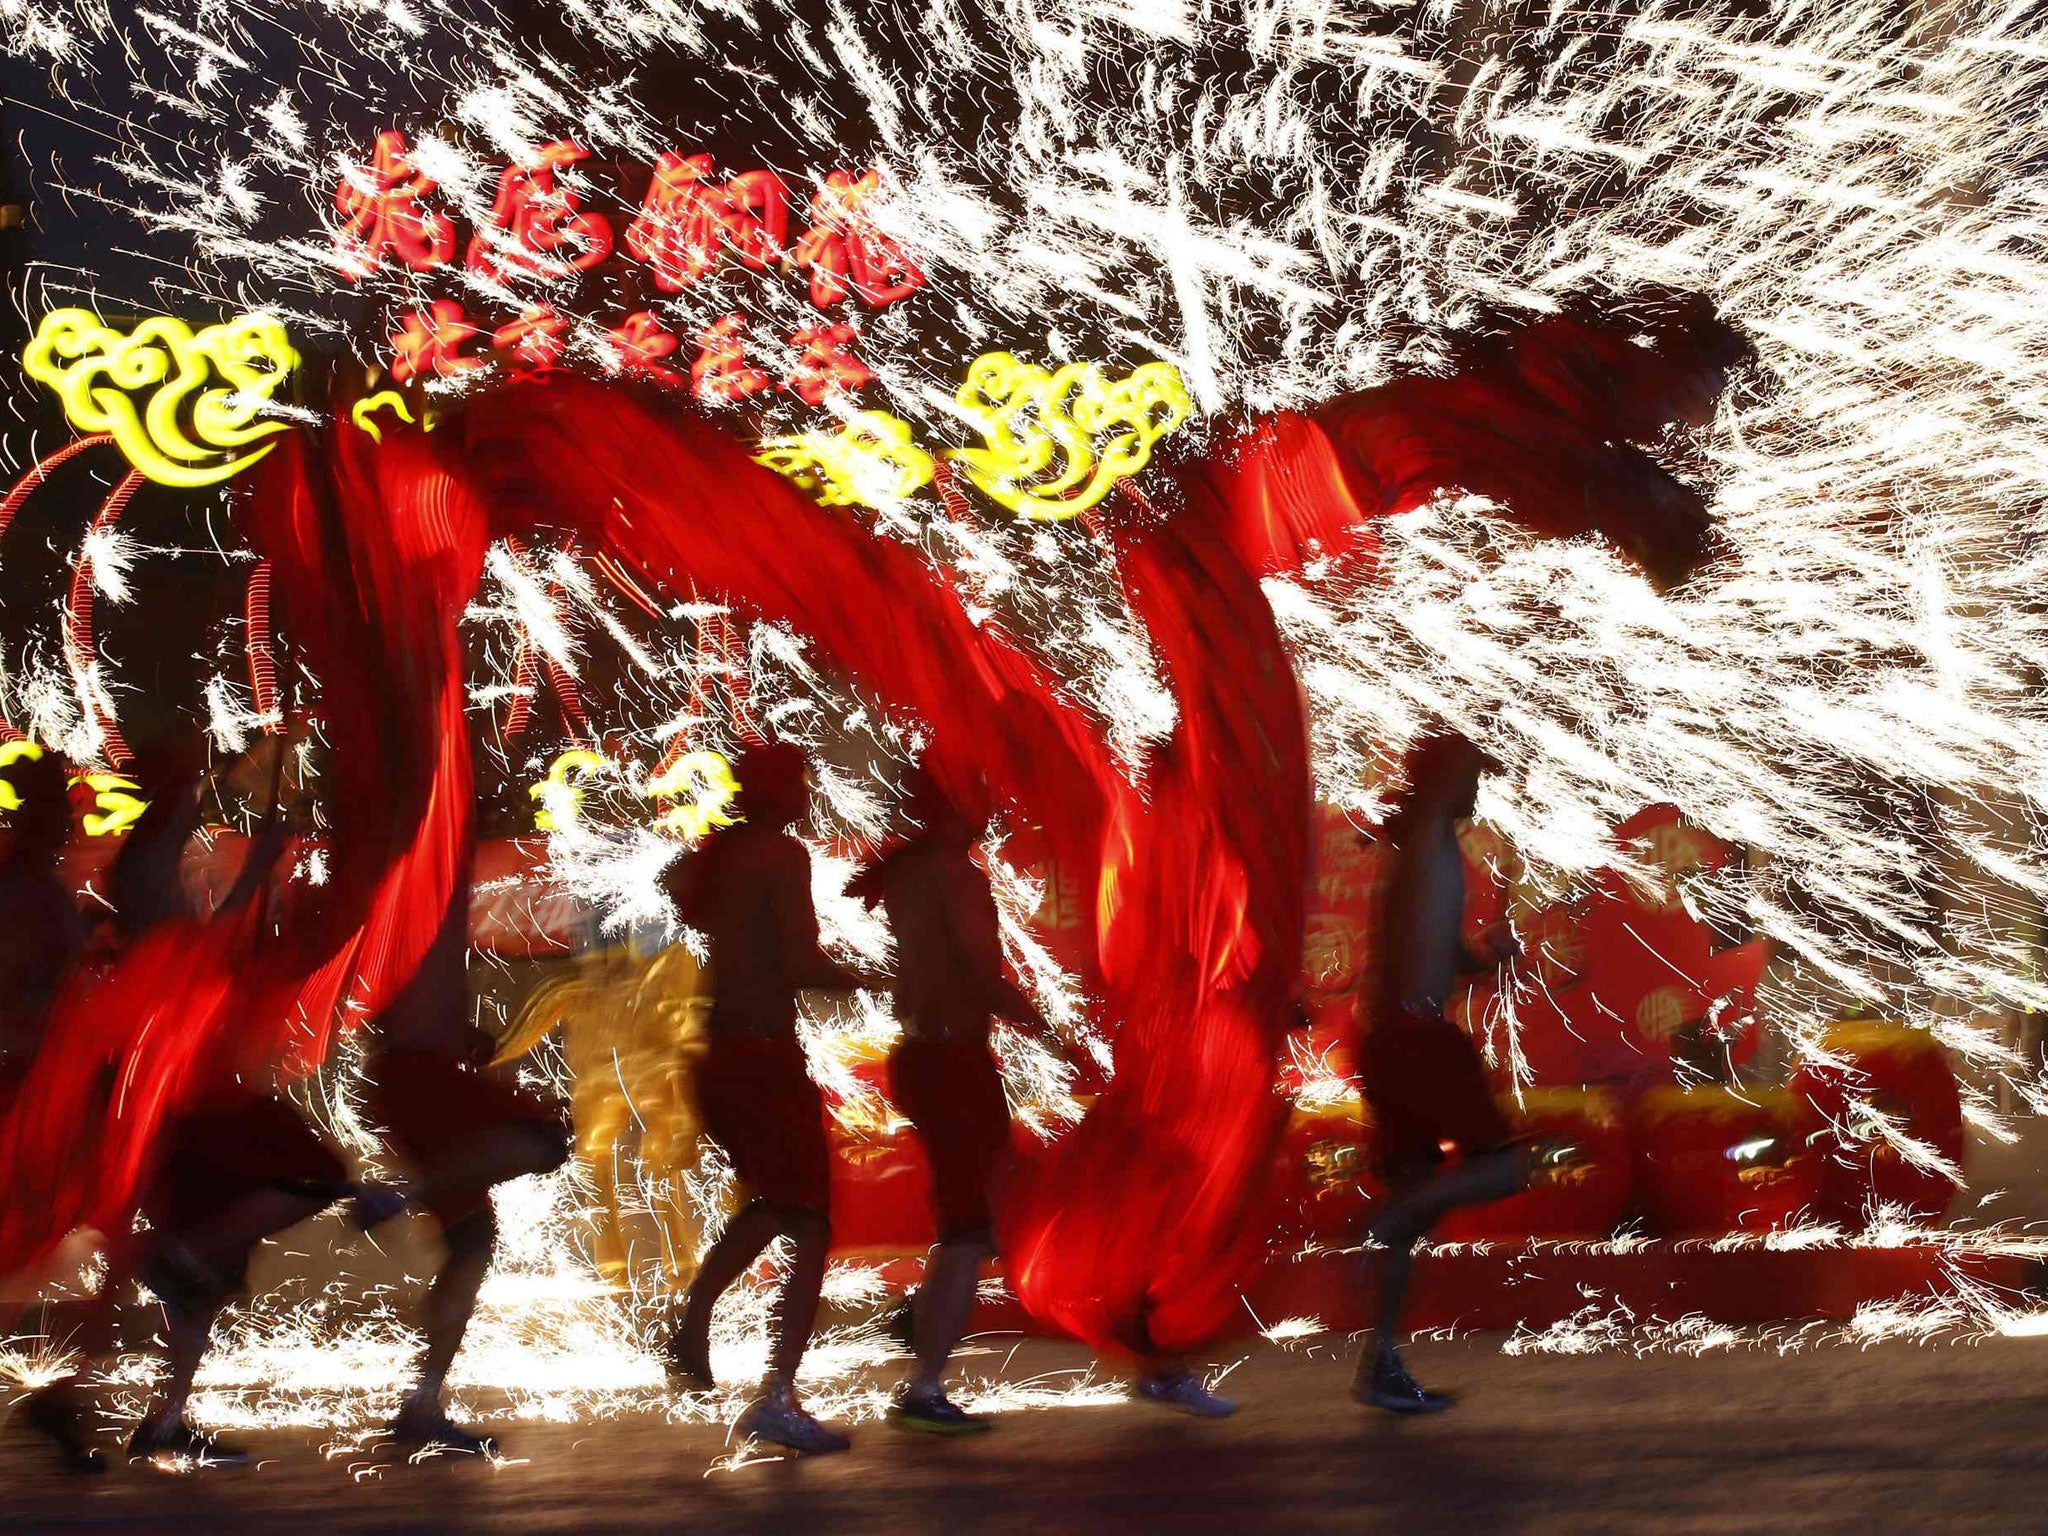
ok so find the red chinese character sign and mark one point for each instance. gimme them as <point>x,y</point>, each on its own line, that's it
<point>382,214</point>
<point>642,342</point>
<point>538,228</point>
<point>429,342</point>
<point>536,340</point>
<point>826,366</point>
<point>846,253</point>
<point>721,375</point>
<point>687,222</point>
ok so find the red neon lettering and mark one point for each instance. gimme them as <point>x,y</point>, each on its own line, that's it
<point>534,220</point>
<point>536,339</point>
<point>428,341</point>
<point>827,364</point>
<point>642,341</point>
<point>721,374</point>
<point>380,208</point>
<point>687,222</point>
<point>846,253</point>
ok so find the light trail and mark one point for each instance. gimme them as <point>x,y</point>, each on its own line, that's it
<point>1285,199</point>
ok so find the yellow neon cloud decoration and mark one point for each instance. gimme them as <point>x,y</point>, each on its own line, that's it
<point>702,780</point>
<point>202,395</point>
<point>1057,442</point>
<point>561,792</point>
<point>12,752</point>
<point>706,778</point>
<point>120,805</point>
<point>871,460</point>
<point>364,412</point>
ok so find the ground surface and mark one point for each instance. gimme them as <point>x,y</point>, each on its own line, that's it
<point>1900,1437</point>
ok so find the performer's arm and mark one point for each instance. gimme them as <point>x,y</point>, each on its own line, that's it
<point>797,917</point>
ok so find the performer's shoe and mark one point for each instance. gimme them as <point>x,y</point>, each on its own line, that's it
<point>1383,1382</point>
<point>55,1414</point>
<point>424,1426</point>
<point>172,1445</point>
<point>781,1420</point>
<point>374,1204</point>
<point>1181,1390</point>
<point>931,1412</point>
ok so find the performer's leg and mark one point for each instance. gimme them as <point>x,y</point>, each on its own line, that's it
<point>1406,1220</point>
<point>742,1242</point>
<point>163,1435</point>
<point>796,1310</point>
<point>945,1298</point>
<point>444,1318</point>
<point>493,1156</point>
<point>60,1410</point>
<point>1382,1380</point>
<point>210,1255</point>
<point>195,1272</point>
<point>776,1415</point>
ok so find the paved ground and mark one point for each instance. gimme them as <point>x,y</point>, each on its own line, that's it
<point>1899,1437</point>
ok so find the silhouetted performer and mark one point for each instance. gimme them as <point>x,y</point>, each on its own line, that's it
<point>41,933</point>
<point>1551,430</point>
<point>748,891</point>
<point>1424,1080</point>
<point>949,981</point>
<point>41,939</point>
<point>241,1165</point>
<point>460,1131</point>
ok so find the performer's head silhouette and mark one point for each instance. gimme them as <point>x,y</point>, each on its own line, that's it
<point>774,781</point>
<point>39,825</point>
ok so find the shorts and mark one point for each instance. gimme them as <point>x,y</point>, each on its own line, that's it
<point>948,1087</point>
<point>761,1107</point>
<point>434,1109</point>
<point>1426,1086</point>
<point>227,1149</point>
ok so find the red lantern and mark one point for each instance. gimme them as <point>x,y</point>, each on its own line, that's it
<point>1904,1075</point>
<point>1710,1161</point>
<point>1580,1185</point>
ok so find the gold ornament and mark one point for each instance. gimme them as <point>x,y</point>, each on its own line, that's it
<point>180,404</point>
<point>871,460</point>
<point>1057,442</point>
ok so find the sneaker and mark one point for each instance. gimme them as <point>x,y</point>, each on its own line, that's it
<point>427,1427</point>
<point>1383,1382</point>
<point>57,1415</point>
<point>1181,1390</point>
<point>172,1445</point>
<point>933,1413</point>
<point>782,1421</point>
